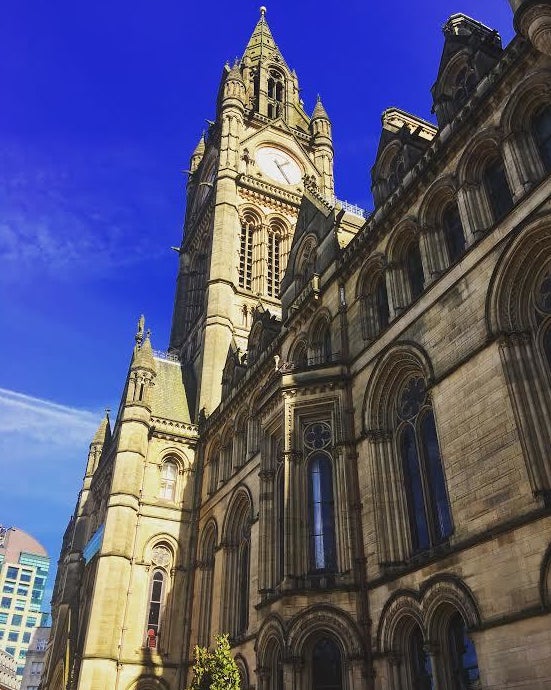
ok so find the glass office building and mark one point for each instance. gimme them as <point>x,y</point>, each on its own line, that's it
<point>24,566</point>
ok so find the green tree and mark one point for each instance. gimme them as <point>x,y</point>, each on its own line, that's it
<point>215,669</point>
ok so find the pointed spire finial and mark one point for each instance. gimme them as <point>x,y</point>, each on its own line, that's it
<point>262,11</point>
<point>139,334</point>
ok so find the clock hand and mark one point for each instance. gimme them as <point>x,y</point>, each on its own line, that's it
<point>280,168</point>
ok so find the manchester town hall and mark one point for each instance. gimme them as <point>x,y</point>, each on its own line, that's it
<point>343,459</point>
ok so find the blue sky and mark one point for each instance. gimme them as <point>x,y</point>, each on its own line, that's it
<point>102,104</point>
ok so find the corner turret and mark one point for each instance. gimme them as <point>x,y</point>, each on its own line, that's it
<point>320,128</point>
<point>142,370</point>
<point>533,21</point>
<point>197,155</point>
<point>100,442</point>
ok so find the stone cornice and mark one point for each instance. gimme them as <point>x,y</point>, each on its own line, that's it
<point>163,428</point>
<point>260,189</point>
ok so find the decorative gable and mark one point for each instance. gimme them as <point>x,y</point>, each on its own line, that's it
<point>470,51</point>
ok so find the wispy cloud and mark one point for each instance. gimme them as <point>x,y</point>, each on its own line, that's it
<point>43,450</point>
<point>33,419</point>
<point>75,225</point>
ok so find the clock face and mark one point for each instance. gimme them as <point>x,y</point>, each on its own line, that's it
<point>278,165</point>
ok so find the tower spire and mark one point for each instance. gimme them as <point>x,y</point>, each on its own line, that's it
<point>261,43</point>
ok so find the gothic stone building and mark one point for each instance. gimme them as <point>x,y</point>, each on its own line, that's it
<point>344,460</point>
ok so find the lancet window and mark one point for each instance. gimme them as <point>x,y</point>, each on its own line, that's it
<point>273,273</point>
<point>454,236</point>
<point>246,255</point>
<point>426,495</point>
<point>207,556</point>
<point>169,477</point>
<point>327,666</point>
<point>497,188</point>
<point>275,93</point>
<point>161,560</point>
<point>321,504</point>
<point>414,269</point>
<point>542,134</point>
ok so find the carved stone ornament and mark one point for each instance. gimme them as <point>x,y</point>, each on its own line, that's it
<point>161,556</point>
<point>317,436</point>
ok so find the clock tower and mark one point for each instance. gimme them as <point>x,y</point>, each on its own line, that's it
<point>243,196</point>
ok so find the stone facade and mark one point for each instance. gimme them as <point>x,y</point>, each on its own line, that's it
<point>343,461</point>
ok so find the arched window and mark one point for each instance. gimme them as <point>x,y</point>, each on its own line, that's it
<point>243,580</point>
<point>414,270</point>
<point>543,316</point>
<point>300,355</point>
<point>374,305</point>
<point>156,601</point>
<point>321,343</point>
<point>453,232</point>
<point>280,524</point>
<point>277,671</point>
<point>497,188</point>
<point>276,94</point>
<point>397,170</point>
<point>420,668</point>
<point>426,495</point>
<point>306,262</point>
<point>207,556</point>
<point>323,554</point>
<point>465,84</point>
<point>461,655</point>
<point>237,538</point>
<point>542,134</point>
<point>246,255</point>
<point>195,284</point>
<point>226,455</point>
<point>214,462</point>
<point>326,665</point>
<point>272,277</point>
<point>169,476</point>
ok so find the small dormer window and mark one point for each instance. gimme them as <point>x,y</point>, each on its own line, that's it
<point>276,94</point>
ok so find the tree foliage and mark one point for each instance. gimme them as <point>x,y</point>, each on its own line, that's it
<point>215,669</point>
